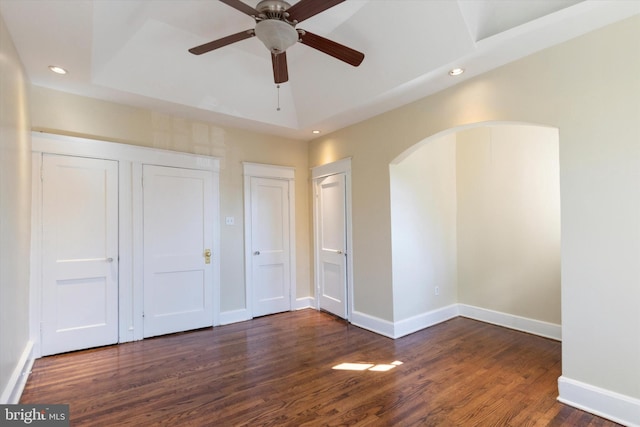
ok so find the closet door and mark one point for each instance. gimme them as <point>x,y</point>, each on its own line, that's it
<point>270,251</point>
<point>80,253</point>
<point>178,238</point>
<point>332,244</point>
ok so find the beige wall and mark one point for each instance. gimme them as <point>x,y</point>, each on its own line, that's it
<point>15,210</point>
<point>509,220</point>
<point>588,88</point>
<point>424,230</point>
<point>64,113</point>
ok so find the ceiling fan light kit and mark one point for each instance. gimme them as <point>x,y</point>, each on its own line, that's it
<point>276,35</point>
<point>276,22</point>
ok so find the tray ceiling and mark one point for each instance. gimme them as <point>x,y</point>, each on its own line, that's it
<point>135,52</point>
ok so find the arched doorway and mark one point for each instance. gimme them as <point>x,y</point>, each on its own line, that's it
<point>475,219</point>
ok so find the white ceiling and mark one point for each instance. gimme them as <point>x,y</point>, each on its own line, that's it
<point>135,52</point>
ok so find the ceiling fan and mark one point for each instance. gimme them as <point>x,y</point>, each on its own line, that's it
<point>276,22</point>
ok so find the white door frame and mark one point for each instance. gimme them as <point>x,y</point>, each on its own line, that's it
<point>131,158</point>
<point>260,170</point>
<point>317,173</point>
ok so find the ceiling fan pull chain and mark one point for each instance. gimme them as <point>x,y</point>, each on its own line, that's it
<point>278,87</point>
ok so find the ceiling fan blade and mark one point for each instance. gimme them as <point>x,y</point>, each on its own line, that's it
<point>280,73</point>
<point>242,7</point>
<point>305,9</point>
<point>208,47</point>
<point>341,52</point>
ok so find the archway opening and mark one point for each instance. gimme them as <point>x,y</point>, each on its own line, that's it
<point>475,216</point>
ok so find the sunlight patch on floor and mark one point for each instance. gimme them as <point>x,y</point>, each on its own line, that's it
<point>367,366</point>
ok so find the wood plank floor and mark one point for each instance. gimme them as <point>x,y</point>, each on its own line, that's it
<point>277,370</point>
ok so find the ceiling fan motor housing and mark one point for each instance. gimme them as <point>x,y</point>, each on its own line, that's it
<point>273,9</point>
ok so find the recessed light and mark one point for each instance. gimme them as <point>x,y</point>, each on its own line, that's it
<point>456,71</point>
<point>57,70</point>
<point>315,132</point>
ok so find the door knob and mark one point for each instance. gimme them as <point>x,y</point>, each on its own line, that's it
<point>109,259</point>
<point>256,253</point>
<point>207,256</point>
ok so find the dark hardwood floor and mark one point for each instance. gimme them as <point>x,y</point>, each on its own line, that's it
<point>277,370</point>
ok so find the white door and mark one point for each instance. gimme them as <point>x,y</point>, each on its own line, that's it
<point>270,251</point>
<point>332,254</point>
<point>178,237</point>
<point>79,253</point>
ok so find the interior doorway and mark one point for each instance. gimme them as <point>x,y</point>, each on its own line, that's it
<point>333,255</point>
<point>475,215</point>
<point>269,238</point>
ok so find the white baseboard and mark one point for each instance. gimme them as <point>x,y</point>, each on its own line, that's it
<point>373,324</point>
<point>305,302</point>
<point>604,403</point>
<point>413,324</point>
<point>421,321</point>
<point>12,392</point>
<point>234,316</point>
<point>532,326</point>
